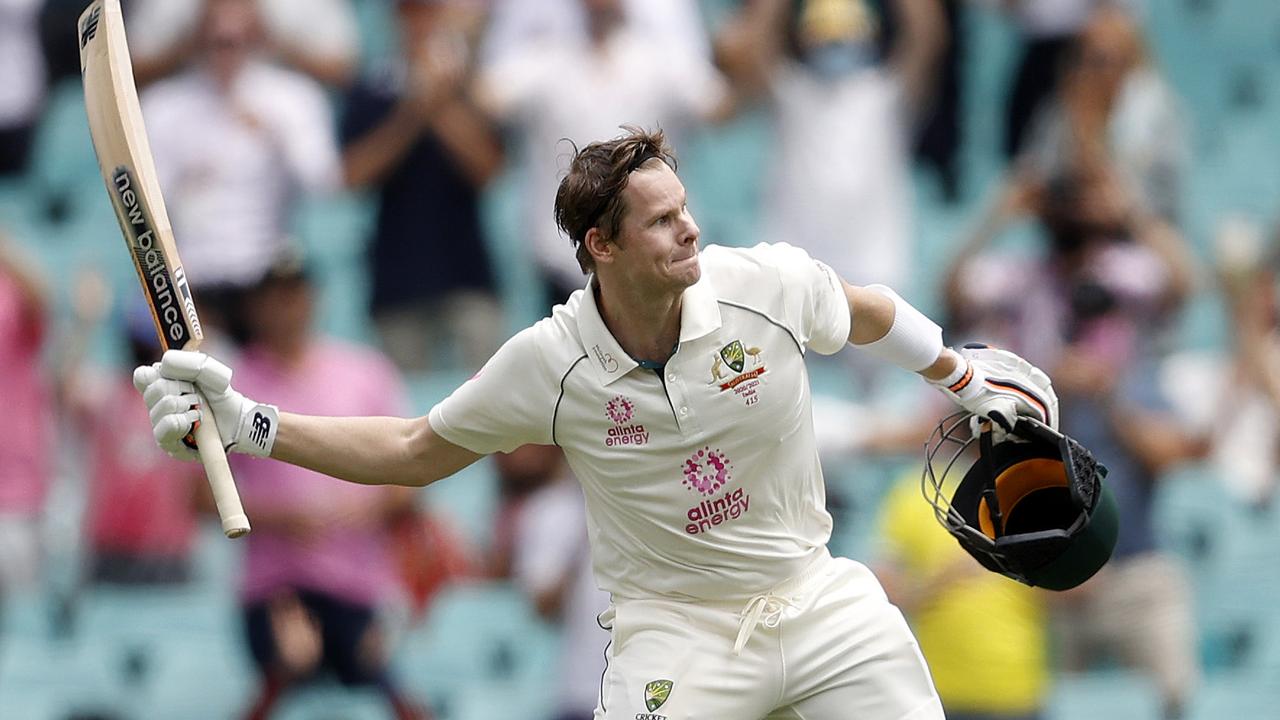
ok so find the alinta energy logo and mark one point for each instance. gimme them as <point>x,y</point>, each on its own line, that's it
<point>621,410</point>
<point>707,471</point>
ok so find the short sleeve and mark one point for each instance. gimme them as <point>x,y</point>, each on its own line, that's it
<point>509,403</point>
<point>814,303</point>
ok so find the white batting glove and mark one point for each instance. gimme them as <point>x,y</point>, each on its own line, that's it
<point>998,385</point>
<point>169,389</point>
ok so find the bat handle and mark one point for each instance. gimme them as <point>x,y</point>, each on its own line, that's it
<point>234,522</point>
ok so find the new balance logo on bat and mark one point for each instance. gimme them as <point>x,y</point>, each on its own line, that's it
<point>260,430</point>
<point>177,315</point>
<point>89,28</point>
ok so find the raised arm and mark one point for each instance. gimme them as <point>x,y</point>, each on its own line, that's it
<point>918,49</point>
<point>366,450</point>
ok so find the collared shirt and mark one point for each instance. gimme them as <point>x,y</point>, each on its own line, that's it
<point>700,483</point>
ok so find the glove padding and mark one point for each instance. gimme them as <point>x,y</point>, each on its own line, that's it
<point>998,385</point>
<point>169,389</point>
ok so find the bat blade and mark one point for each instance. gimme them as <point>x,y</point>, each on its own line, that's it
<point>124,157</point>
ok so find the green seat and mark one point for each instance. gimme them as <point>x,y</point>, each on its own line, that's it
<point>1110,695</point>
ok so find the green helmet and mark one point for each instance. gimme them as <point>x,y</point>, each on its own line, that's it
<point>1032,507</point>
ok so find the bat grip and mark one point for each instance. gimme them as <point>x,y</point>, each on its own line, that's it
<point>234,522</point>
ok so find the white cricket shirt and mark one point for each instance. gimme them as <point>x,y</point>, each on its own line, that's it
<point>702,483</point>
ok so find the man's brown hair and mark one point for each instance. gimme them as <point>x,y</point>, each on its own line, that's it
<point>590,195</point>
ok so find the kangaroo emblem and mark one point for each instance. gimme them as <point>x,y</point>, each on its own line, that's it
<point>716,375</point>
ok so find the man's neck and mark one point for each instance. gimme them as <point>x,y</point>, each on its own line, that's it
<point>646,327</point>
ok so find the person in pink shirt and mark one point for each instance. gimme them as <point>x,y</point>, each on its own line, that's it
<point>140,515</point>
<point>140,523</point>
<point>25,424</point>
<point>319,561</point>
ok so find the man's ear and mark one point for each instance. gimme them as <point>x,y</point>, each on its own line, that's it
<point>601,249</point>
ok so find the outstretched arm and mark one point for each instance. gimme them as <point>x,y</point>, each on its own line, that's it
<point>369,450</point>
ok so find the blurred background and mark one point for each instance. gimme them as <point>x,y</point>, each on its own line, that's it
<point>361,191</point>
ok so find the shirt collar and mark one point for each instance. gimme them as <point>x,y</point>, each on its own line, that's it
<point>699,310</point>
<point>610,360</point>
<point>699,316</point>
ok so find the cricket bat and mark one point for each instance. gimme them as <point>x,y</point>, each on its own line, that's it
<point>124,156</point>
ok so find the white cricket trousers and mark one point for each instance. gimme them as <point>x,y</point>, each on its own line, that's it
<point>826,645</point>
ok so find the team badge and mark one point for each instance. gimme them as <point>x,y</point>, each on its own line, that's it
<point>656,693</point>
<point>744,383</point>
<point>734,356</point>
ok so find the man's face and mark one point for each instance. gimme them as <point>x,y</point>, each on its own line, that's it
<point>230,32</point>
<point>657,244</point>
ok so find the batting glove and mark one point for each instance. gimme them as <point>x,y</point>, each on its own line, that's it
<point>169,389</point>
<point>998,385</point>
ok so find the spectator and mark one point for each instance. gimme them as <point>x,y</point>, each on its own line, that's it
<point>1091,310</point>
<point>430,554</point>
<point>140,516</point>
<point>553,565</point>
<point>550,91</point>
<point>1112,109</point>
<point>840,185</point>
<point>940,136</point>
<point>236,142</point>
<point>522,473</point>
<point>515,25</point>
<point>22,83</point>
<point>318,565</point>
<point>1246,421</point>
<point>984,636</point>
<point>1049,28</point>
<point>414,135</point>
<point>317,37</point>
<point>25,424</point>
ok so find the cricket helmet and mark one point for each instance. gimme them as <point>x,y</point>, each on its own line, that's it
<point>1031,506</point>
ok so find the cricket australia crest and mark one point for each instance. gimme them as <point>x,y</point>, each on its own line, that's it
<point>736,357</point>
<point>656,693</point>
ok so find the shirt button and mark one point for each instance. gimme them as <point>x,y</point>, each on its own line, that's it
<point>671,377</point>
<point>684,411</point>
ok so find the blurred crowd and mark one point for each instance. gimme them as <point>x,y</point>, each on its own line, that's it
<point>1078,259</point>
